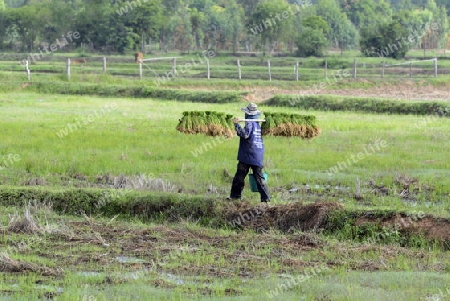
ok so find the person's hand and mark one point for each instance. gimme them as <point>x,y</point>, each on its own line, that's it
<point>235,120</point>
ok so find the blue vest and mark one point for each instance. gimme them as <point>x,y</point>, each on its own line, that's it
<point>251,145</point>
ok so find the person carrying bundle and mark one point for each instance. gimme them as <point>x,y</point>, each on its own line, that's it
<point>250,154</point>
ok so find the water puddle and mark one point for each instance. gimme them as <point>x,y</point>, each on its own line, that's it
<point>179,280</point>
<point>89,274</point>
<point>48,288</point>
<point>128,259</point>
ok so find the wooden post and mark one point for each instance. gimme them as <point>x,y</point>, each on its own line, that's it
<point>435,67</point>
<point>354,68</point>
<point>410,69</point>
<point>268,67</point>
<point>104,65</point>
<point>239,69</point>
<point>296,71</point>
<point>140,69</point>
<point>207,66</point>
<point>174,67</point>
<point>27,70</point>
<point>382,70</point>
<point>68,68</point>
<point>325,71</point>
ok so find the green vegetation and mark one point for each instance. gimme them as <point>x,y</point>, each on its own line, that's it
<point>145,188</point>
<point>103,199</point>
<point>359,104</point>
<point>136,91</point>
<point>155,259</point>
<point>235,25</point>
<point>209,122</point>
<point>290,125</point>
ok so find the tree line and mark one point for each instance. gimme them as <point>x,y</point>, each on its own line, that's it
<point>301,27</point>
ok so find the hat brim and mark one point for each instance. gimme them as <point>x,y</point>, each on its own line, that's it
<point>251,113</point>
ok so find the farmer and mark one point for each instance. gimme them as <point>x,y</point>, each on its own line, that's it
<point>250,155</point>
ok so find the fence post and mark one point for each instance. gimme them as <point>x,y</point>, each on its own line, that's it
<point>174,67</point>
<point>268,66</point>
<point>104,65</point>
<point>410,69</point>
<point>325,70</point>
<point>382,70</point>
<point>28,70</point>
<point>68,68</point>
<point>354,68</point>
<point>296,71</point>
<point>435,67</point>
<point>140,69</point>
<point>207,66</point>
<point>239,69</point>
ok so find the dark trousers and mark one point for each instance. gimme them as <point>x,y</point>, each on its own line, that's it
<point>239,181</point>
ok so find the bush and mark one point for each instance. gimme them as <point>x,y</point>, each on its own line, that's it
<point>311,42</point>
<point>384,41</point>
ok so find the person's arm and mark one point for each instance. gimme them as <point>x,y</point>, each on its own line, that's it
<point>244,132</point>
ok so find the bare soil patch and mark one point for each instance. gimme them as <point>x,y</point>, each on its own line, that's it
<point>312,217</point>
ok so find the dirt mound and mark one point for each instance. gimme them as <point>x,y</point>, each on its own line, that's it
<point>311,217</point>
<point>9,265</point>
<point>429,227</point>
<point>286,218</point>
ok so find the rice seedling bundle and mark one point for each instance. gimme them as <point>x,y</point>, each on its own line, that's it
<point>210,123</point>
<point>290,125</point>
<point>213,123</point>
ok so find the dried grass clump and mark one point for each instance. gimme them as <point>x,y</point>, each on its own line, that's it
<point>9,265</point>
<point>142,182</point>
<point>24,224</point>
<point>209,123</point>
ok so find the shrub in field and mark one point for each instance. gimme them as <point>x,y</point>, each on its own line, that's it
<point>372,105</point>
<point>290,125</point>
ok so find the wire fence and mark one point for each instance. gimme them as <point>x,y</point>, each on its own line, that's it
<point>163,69</point>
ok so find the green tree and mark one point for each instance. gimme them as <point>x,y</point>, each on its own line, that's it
<point>235,16</point>
<point>342,33</point>
<point>196,18</point>
<point>268,21</point>
<point>311,42</point>
<point>386,41</point>
<point>316,22</point>
<point>145,20</point>
<point>27,23</point>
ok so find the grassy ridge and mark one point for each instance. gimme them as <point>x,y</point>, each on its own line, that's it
<point>207,211</point>
<point>148,206</point>
<point>132,91</point>
<point>358,104</point>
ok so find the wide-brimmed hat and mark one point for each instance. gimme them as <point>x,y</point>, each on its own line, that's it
<point>251,109</point>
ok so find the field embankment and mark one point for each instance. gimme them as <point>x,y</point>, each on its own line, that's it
<point>136,91</point>
<point>330,217</point>
<point>359,104</point>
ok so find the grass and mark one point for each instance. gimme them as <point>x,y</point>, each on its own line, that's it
<point>133,138</point>
<point>211,265</point>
